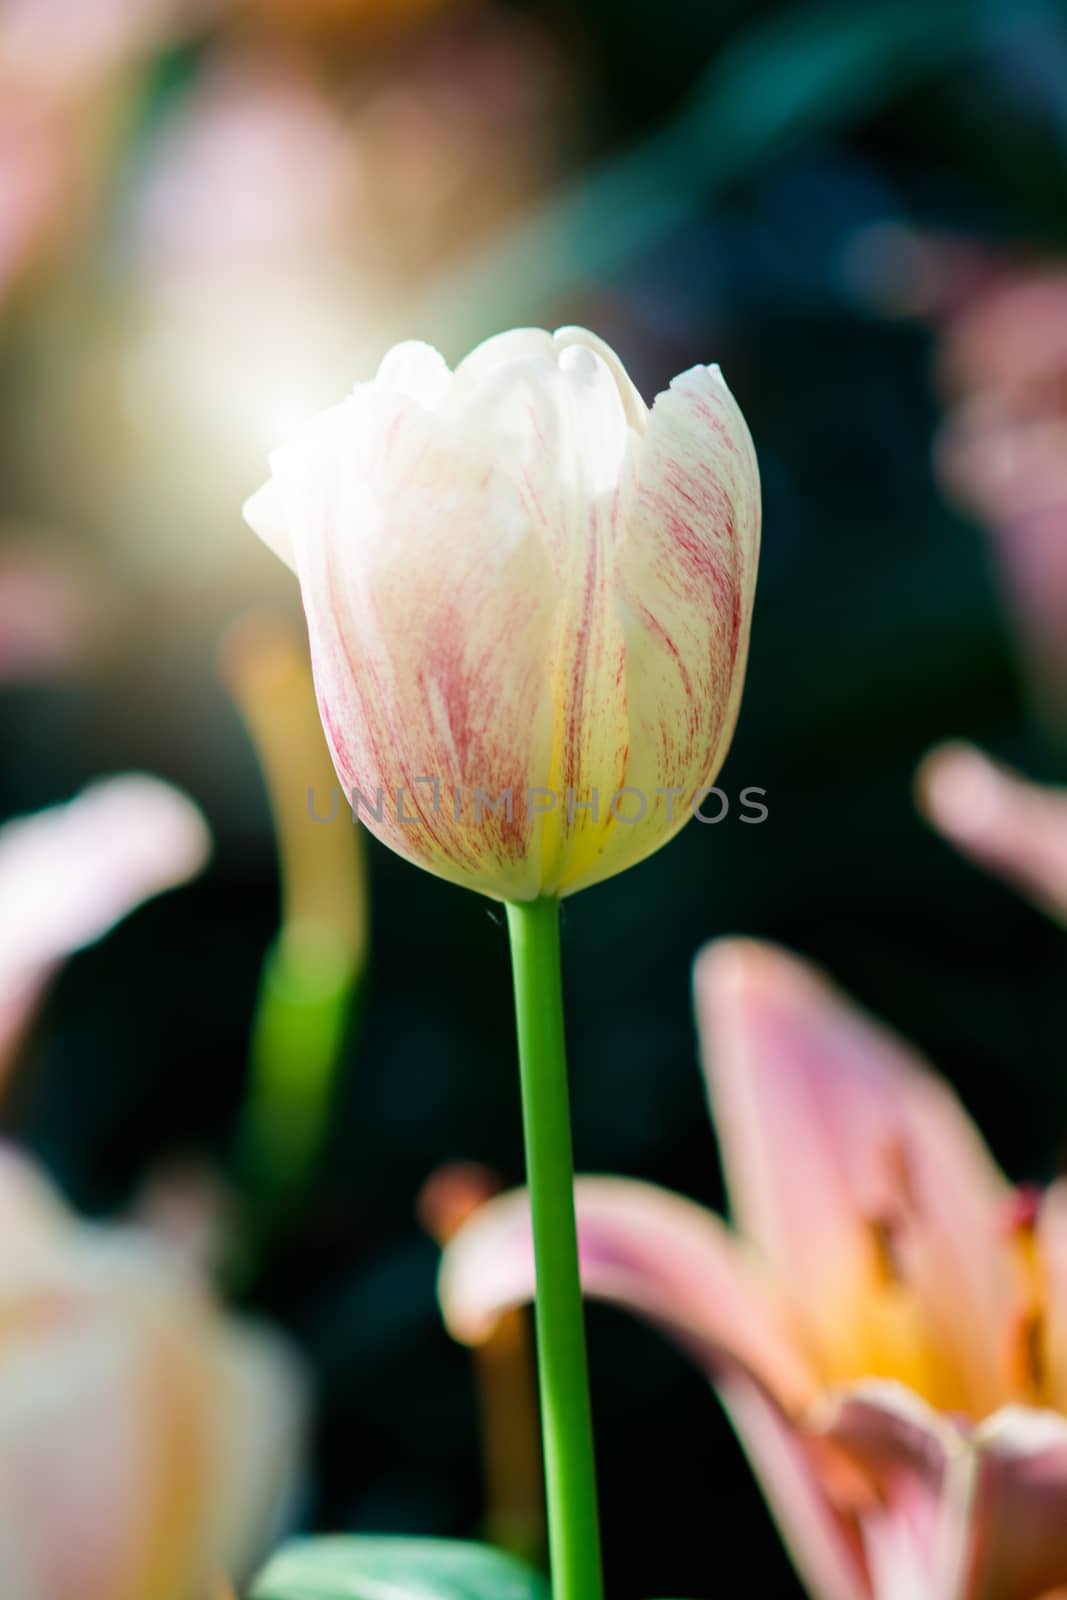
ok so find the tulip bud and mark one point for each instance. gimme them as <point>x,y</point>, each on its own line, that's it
<point>528,599</point>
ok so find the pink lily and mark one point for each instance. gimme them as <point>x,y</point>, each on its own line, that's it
<point>886,1322</point>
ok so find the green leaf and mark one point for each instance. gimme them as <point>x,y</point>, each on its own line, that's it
<point>354,1568</point>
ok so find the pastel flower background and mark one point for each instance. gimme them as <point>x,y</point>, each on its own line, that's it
<point>255,1066</point>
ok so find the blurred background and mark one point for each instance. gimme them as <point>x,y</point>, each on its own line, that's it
<point>215,216</point>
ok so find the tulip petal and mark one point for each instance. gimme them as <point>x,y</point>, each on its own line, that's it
<point>590,732</point>
<point>858,1178</point>
<point>685,584</point>
<point>632,401</point>
<point>1010,826</point>
<point>264,512</point>
<point>509,349</point>
<point>417,370</point>
<point>429,652</point>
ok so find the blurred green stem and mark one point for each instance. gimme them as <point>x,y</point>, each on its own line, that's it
<point>566,1420</point>
<point>303,1013</point>
<point>309,995</point>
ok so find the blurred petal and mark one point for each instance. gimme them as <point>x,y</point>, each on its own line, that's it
<point>1003,447</point>
<point>144,1439</point>
<point>260,1427</point>
<point>188,1206</point>
<point>1018,1507</point>
<point>1051,1236</point>
<point>674,1263</point>
<point>69,873</point>
<point>914,1513</point>
<point>34,1221</point>
<point>640,1247</point>
<point>77,1411</point>
<point>1013,828</point>
<point>801,1480</point>
<point>858,1178</point>
<point>452,1195</point>
<point>54,610</point>
<point>1012,337</point>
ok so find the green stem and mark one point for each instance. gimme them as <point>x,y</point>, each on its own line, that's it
<point>566,1421</point>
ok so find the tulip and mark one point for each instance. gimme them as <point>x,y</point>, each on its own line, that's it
<point>528,599</point>
<point>886,1323</point>
<point>147,1444</point>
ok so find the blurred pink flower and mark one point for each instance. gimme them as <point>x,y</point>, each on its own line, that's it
<point>62,73</point>
<point>267,159</point>
<point>35,178</point>
<point>53,612</point>
<point>1002,451</point>
<point>336,19</point>
<point>258,163</point>
<point>146,1442</point>
<point>1012,827</point>
<point>69,873</point>
<point>286,215</point>
<point>42,53</point>
<point>887,1323</point>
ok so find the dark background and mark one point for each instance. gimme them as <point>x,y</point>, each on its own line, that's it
<point>716,167</point>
